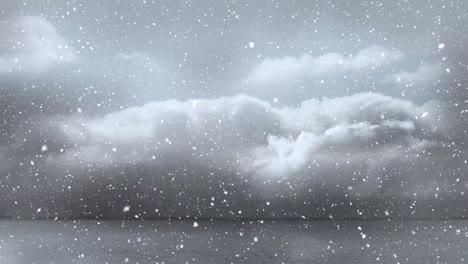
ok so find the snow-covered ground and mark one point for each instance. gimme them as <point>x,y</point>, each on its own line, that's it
<point>190,241</point>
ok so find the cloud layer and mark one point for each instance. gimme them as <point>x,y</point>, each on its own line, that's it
<point>110,130</point>
<point>234,156</point>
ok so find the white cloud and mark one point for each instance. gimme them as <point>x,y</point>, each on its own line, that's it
<point>31,44</point>
<point>235,126</point>
<point>286,69</point>
<point>174,152</point>
<point>425,73</point>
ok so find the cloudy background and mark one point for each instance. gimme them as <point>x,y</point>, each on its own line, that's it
<point>226,109</point>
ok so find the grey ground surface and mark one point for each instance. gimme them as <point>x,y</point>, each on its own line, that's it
<point>164,241</point>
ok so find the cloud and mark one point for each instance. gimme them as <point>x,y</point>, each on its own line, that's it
<point>287,69</point>
<point>425,73</point>
<point>72,144</point>
<point>174,158</point>
<point>239,124</point>
<point>30,44</point>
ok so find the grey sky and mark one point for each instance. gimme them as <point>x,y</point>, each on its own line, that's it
<point>206,43</point>
<point>332,92</point>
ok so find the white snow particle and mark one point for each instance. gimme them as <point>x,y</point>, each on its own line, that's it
<point>126,208</point>
<point>441,45</point>
<point>44,148</point>
<point>195,224</point>
<point>251,45</point>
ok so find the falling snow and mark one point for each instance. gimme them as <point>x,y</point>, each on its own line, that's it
<point>233,131</point>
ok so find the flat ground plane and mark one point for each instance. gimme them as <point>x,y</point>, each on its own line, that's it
<point>218,241</point>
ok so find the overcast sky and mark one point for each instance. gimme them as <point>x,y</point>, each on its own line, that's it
<point>233,109</point>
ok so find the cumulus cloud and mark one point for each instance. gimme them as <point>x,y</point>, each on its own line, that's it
<point>286,69</point>
<point>31,44</point>
<point>216,158</point>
